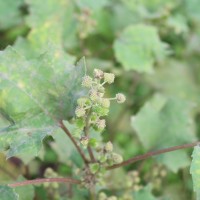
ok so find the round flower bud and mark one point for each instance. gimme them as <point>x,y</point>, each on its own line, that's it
<point>82,101</point>
<point>136,188</point>
<point>163,173</point>
<point>112,198</point>
<point>84,140</point>
<point>93,95</point>
<point>55,185</point>
<point>80,112</point>
<point>109,147</point>
<point>98,73</point>
<point>135,173</point>
<point>117,158</point>
<point>120,98</point>
<point>48,172</point>
<point>87,81</point>
<point>101,124</point>
<point>101,88</point>
<point>137,180</point>
<point>105,103</point>
<point>102,196</point>
<point>109,78</point>
<point>46,184</point>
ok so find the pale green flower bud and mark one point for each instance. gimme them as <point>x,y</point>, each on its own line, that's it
<point>94,167</point>
<point>80,112</point>
<point>136,188</point>
<point>82,101</point>
<point>101,88</point>
<point>120,98</point>
<point>100,94</point>
<point>77,132</point>
<point>105,103</point>
<point>163,173</point>
<point>112,198</point>
<point>87,81</point>
<point>135,173</point>
<point>137,180</point>
<point>93,95</point>
<point>54,185</point>
<point>48,172</point>
<point>109,77</point>
<point>46,184</point>
<point>101,124</point>
<point>102,196</point>
<point>98,74</point>
<point>117,158</point>
<point>84,140</point>
<point>109,147</point>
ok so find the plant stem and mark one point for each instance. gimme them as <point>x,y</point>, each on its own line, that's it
<point>92,193</point>
<point>74,142</point>
<point>152,153</point>
<point>86,130</point>
<point>44,180</point>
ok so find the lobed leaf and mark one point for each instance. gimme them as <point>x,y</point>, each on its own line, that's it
<point>138,47</point>
<point>165,122</point>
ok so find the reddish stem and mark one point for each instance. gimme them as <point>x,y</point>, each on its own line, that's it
<point>74,142</point>
<point>152,153</point>
<point>44,180</point>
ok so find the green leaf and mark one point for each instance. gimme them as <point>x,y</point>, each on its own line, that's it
<point>46,88</point>
<point>184,87</point>
<point>195,170</point>
<point>51,13</point>
<point>10,14</point>
<point>150,8</point>
<point>25,192</point>
<point>138,47</point>
<point>94,167</point>
<point>7,193</point>
<point>144,194</point>
<point>62,145</point>
<point>193,8</point>
<point>165,122</point>
<point>91,4</point>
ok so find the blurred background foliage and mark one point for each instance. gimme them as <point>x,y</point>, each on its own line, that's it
<point>153,47</point>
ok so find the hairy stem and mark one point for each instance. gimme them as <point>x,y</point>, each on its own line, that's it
<point>64,128</point>
<point>44,180</point>
<point>152,153</point>
<point>86,130</point>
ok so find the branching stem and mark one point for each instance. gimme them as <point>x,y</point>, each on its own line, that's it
<point>86,131</point>
<point>64,128</point>
<point>44,180</point>
<point>152,153</point>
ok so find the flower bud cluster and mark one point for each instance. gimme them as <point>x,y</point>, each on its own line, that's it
<point>133,181</point>
<point>53,187</point>
<point>158,173</point>
<point>86,23</point>
<point>103,196</point>
<point>107,156</point>
<point>90,112</point>
<point>95,105</point>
